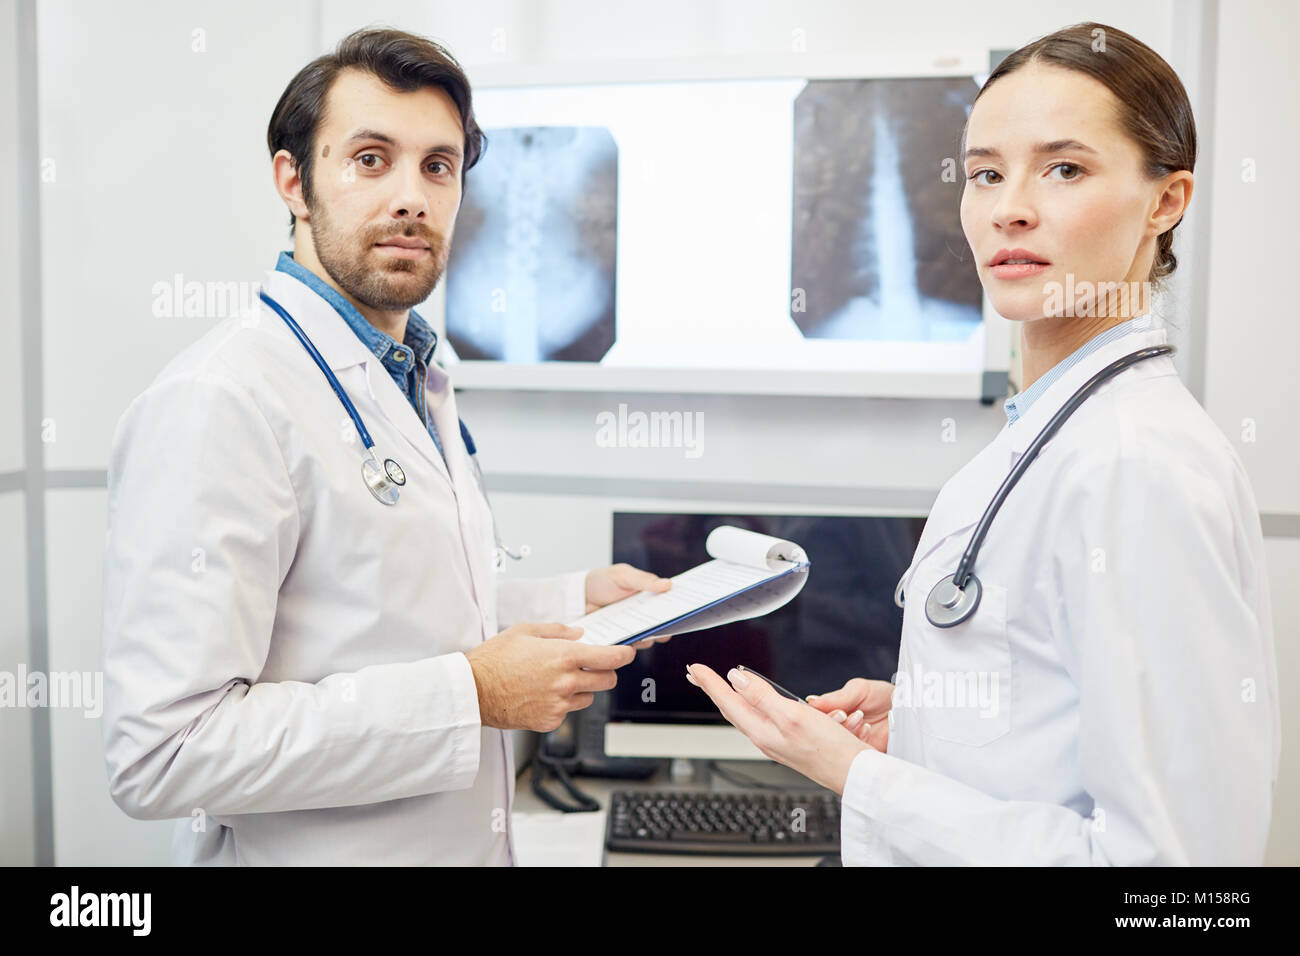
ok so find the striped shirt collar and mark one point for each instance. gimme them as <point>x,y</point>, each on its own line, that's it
<point>1017,405</point>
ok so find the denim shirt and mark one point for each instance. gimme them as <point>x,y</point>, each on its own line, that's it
<point>407,363</point>
<point>1017,405</point>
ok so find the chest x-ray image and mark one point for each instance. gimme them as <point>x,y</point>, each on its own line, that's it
<point>878,252</point>
<point>531,275</point>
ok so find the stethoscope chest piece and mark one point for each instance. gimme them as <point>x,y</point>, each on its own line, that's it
<point>394,472</point>
<point>381,480</point>
<point>948,605</point>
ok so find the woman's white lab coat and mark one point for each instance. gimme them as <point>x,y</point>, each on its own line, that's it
<point>1114,698</point>
<point>283,654</point>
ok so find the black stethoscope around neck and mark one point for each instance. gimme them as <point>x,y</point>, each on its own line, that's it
<point>955,598</point>
<point>384,481</point>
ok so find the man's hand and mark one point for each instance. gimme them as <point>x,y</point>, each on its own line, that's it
<point>861,706</point>
<point>618,581</point>
<point>531,675</point>
<point>607,585</point>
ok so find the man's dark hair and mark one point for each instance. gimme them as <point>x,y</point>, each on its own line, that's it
<point>404,61</point>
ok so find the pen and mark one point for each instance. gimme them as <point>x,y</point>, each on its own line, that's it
<point>779,689</point>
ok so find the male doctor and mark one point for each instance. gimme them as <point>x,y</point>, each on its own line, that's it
<point>302,673</point>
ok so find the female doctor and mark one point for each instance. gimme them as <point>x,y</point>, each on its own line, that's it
<point>1112,698</point>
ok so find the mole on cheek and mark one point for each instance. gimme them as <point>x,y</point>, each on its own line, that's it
<point>325,153</point>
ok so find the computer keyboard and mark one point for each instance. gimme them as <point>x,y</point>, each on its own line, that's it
<point>758,823</point>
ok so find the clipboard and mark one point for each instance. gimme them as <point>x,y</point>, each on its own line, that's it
<point>750,575</point>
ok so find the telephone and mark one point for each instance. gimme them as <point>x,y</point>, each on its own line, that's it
<point>577,747</point>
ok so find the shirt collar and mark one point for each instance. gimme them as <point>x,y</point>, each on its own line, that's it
<point>420,336</point>
<point>1017,438</point>
<point>1018,405</point>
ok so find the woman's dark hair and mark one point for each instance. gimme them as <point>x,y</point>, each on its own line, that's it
<point>404,61</point>
<point>1153,106</point>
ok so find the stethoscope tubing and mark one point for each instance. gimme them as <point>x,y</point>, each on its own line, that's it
<point>369,442</point>
<point>330,377</point>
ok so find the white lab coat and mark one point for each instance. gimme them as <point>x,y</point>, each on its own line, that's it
<point>1126,620</point>
<point>283,654</point>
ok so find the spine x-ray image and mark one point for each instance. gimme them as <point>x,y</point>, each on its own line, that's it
<point>531,276</point>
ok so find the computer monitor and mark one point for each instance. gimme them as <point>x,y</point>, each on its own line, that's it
<point>843,624</point>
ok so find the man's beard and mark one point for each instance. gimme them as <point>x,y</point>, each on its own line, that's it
<point>397,283</point>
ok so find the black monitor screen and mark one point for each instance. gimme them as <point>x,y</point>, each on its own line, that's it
<point>843,624</point>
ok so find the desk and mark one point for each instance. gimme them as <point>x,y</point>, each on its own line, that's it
<point>526,802</point>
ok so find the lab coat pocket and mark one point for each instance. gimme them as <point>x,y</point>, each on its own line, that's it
<point>961,682</point>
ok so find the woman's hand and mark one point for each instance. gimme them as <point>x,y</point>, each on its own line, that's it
<point>862,706</point>
<point>788,731</point>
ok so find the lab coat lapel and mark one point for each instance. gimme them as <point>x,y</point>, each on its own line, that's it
<point>964,498</point>
<point>331,335</point>
<point>398,410</point>
<point>353,364</point>
<point>960,504</point>
<point>475,518</point>
<point>360,372</point>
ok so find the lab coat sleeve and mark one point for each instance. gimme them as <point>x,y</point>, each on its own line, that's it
<point>561,598</point>
<point>1176,718</point>
<point>203,528</point>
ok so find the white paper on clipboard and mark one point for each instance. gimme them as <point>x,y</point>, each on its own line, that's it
<point>750,575</point>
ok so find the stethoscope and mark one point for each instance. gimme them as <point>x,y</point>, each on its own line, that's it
<point>384,481</point>
<point>955,598</point>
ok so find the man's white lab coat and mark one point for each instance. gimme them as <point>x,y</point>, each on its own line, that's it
<point>283,654</point>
